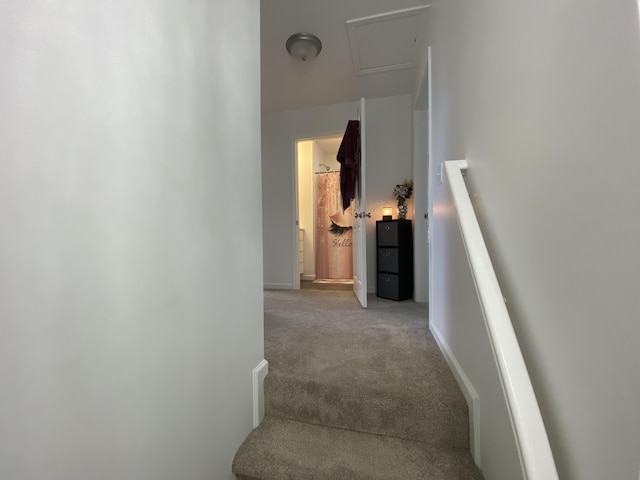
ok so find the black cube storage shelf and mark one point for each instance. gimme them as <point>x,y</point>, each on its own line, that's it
<point>394,241</point>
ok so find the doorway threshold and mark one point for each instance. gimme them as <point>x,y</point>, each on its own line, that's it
<point>327,284</point>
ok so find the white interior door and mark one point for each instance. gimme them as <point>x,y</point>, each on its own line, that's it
<point>360,222</point>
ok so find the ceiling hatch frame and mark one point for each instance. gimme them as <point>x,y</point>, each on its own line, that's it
<point>352,33</point>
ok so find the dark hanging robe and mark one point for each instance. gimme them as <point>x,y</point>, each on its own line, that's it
<point>349,158</point>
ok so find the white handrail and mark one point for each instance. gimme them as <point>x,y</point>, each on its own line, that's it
<point>536,458</point>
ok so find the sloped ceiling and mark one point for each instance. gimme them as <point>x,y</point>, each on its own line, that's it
<point>332,77</point>
<point>329,145</point>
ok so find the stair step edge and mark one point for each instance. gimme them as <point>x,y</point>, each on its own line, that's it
<point>281,449</point>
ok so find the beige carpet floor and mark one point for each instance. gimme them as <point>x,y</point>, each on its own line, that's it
<point>352,380</point>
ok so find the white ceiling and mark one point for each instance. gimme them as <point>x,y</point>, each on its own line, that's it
<point>331,77</point>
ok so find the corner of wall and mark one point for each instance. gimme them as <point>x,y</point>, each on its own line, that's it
<point>258,375</point>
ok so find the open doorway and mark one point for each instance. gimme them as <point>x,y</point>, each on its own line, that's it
<point>325,253</point>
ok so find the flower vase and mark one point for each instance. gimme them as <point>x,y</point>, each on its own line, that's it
<point>402,210</point>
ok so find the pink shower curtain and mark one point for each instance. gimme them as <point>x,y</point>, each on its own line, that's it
<point>334,259</point>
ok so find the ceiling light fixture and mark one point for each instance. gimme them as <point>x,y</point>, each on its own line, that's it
<point>303,46</point>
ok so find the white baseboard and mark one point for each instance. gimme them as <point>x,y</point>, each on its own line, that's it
<point>307,277</point>
<point>278,286</point>
<point>469,392</point>
<point>258,375</point>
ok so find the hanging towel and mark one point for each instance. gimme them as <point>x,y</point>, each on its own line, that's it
<point>349,158</point>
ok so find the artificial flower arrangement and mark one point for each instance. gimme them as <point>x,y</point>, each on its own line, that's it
<point>401,193</point>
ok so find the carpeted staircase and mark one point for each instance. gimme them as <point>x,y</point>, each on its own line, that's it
<point>355,394</point>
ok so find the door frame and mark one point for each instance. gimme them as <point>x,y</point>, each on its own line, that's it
<point>423,206</point>
<point>360,280</point>
<point>296,214</point>
<point>429,179</point>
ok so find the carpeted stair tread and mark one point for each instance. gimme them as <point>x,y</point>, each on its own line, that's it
<point>282,449</point>
<point>396,413</point>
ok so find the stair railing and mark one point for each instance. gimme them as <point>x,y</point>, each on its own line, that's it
<point>530,435</point>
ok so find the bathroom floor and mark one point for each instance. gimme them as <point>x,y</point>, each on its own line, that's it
<point>328,284</point>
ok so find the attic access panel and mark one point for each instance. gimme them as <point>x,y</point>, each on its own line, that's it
<point>385,42</point>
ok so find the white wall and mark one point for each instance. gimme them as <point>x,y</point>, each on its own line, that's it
<point>130,307</point>
<point>543,101</point>
<point>331,161</point>
<point>388,163</point>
